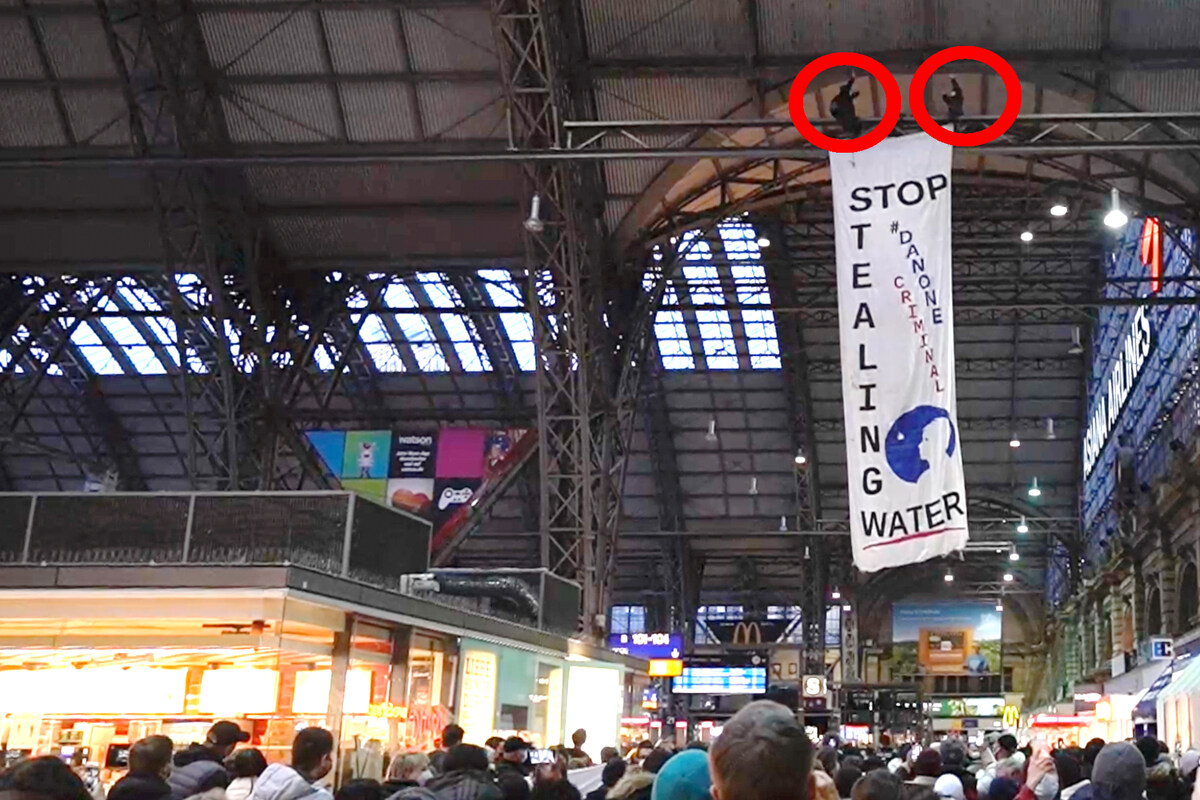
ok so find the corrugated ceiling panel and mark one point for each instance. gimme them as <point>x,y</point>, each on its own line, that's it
<point>665,27</point>
<point>282,113</point>
<point>1026,24</point>
<point>461,110</point>
<point>98,116</point>
<point>381,183</point>
<point>378,112</point>
<point>614,212</point>
<point>669,98</point>
<point>1155,23</point>
<point>72,188</point>
<point>450,39</point>
<point>364,40</point>
<point>28,119</point>
<point>77,46</point>
<point>263,44</point>
<point>1167,90</point>
<point>790,27</point>
<point>18,56</point>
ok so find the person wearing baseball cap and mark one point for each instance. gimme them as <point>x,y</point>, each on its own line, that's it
<point>201,767</point>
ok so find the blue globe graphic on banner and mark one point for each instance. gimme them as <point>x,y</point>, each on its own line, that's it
<point>909,443</point>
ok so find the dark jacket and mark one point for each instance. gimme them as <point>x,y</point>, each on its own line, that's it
<point>197,769</point>
<point>510,778</point>
<point>464,785</point>
<point>1163,781</point>
<point>597,794</point>
<point>391,787</point>
<point>138,786</point>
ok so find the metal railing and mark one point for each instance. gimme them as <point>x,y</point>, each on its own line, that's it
<point>337,533</point>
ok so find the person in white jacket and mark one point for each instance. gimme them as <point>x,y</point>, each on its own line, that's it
<point>245,766</point>
<point>312,759</point>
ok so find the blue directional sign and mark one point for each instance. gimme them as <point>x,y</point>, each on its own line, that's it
<point>647,645</point>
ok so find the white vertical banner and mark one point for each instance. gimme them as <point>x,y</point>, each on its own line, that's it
<point>896,323</point>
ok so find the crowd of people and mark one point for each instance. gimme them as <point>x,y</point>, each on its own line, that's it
<point>763,753</point>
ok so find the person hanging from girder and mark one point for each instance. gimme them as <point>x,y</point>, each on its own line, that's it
<point>842,108</point>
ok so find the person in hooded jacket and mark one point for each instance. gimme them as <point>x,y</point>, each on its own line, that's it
<point>245,766</point>
<point>201,767</point>
<point>636,784</point>
<point>1071,781</point>
<point>149,766</point>
<point>312,759</point>
<point>1162,779</point>
<point>465,777</point>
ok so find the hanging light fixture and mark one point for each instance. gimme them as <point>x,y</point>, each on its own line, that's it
<point>711,436</point>
<point>999,606</point>
<point>948,577</point>
<point>1013,555</point>
<point>1059,207</point>
<point>783,524</point>
<point>1014,442</point>
<point>754,486</point>
<point>1022,526</point>
<point>1027,236</point>
<point>534,223</point>
<point>847,607</point>
<point>1076,348</point>
<point>836,594</point>
<point>1115,218</point>
<point>1050,437</point>
<point>807,554</point>
<point>801,459</point>
<point>763,241</point>
<point>1008,577</point>
<point>1034,489</point>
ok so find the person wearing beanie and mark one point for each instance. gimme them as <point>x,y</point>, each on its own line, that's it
<point>927,768</point>
<point>1119,773</point>
<point>1002,789</point>
<point>684,777</point>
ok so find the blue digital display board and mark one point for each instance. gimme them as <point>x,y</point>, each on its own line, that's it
<point>721,680</point>
<point>647,645</point>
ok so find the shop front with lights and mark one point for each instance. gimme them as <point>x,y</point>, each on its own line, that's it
<point>509,691</point>
<point>86,672</point>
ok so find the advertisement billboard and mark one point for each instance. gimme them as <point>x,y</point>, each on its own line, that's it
<point>945,637</point>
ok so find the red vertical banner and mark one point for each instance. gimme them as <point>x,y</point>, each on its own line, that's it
<point>1151,251</point>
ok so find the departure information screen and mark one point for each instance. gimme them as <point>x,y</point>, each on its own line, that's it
<point>721,680</point>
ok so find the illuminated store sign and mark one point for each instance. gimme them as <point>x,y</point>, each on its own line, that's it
<point>1127,365</point>
<point>477,709</point>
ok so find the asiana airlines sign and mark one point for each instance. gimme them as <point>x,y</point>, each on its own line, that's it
<point>1127,364</point>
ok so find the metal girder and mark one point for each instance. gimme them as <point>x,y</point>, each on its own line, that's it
<point>818,553</point>
<point>576,443</point>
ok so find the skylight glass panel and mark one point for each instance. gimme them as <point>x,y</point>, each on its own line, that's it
<point>7,365</point>
<point>94,351</point>
<point>134,344</point>
<point>503,292</point>
<point>716,331</point>
<point>416,329</point>
<point>673,343</point>
<point>322,358</point>
<point>192,287</point>
<point>379,344</point>
<point>461,330</point>
<point>750,280</point>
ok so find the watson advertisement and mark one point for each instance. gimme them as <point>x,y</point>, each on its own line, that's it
<point>945,638</point>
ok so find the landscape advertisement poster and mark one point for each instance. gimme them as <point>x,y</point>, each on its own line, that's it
<point>945,637</point>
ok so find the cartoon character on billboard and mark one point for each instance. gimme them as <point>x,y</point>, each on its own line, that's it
<point>366,459</point>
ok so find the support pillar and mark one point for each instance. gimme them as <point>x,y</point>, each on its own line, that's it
<point>397,694</point>
<point>337,689</point>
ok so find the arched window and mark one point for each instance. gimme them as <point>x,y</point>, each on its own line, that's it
<point>1189,596</point>
<point>1154,613</point>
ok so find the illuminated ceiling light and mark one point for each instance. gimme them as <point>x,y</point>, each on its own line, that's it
<point>534,224</point>
<point>948,577</point>
<point>1014,442</point>
<point>1076,348</point>
<point>1050,437</point>
<point>1034,489</point>
<point>1013,555</point>
<point>754,486</point>
<point>1008,577</point>
<point>999,606</point>
<point>783,524</point>
<point>1115,218</point>
<point>1059,207</point>
<point>836,595</point>
<point>1026,235</point>
<point>847,607</point>
<point>711,436</point>
<point>763,242</point>
<point>801,459</point>
<point>1022,527</point>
